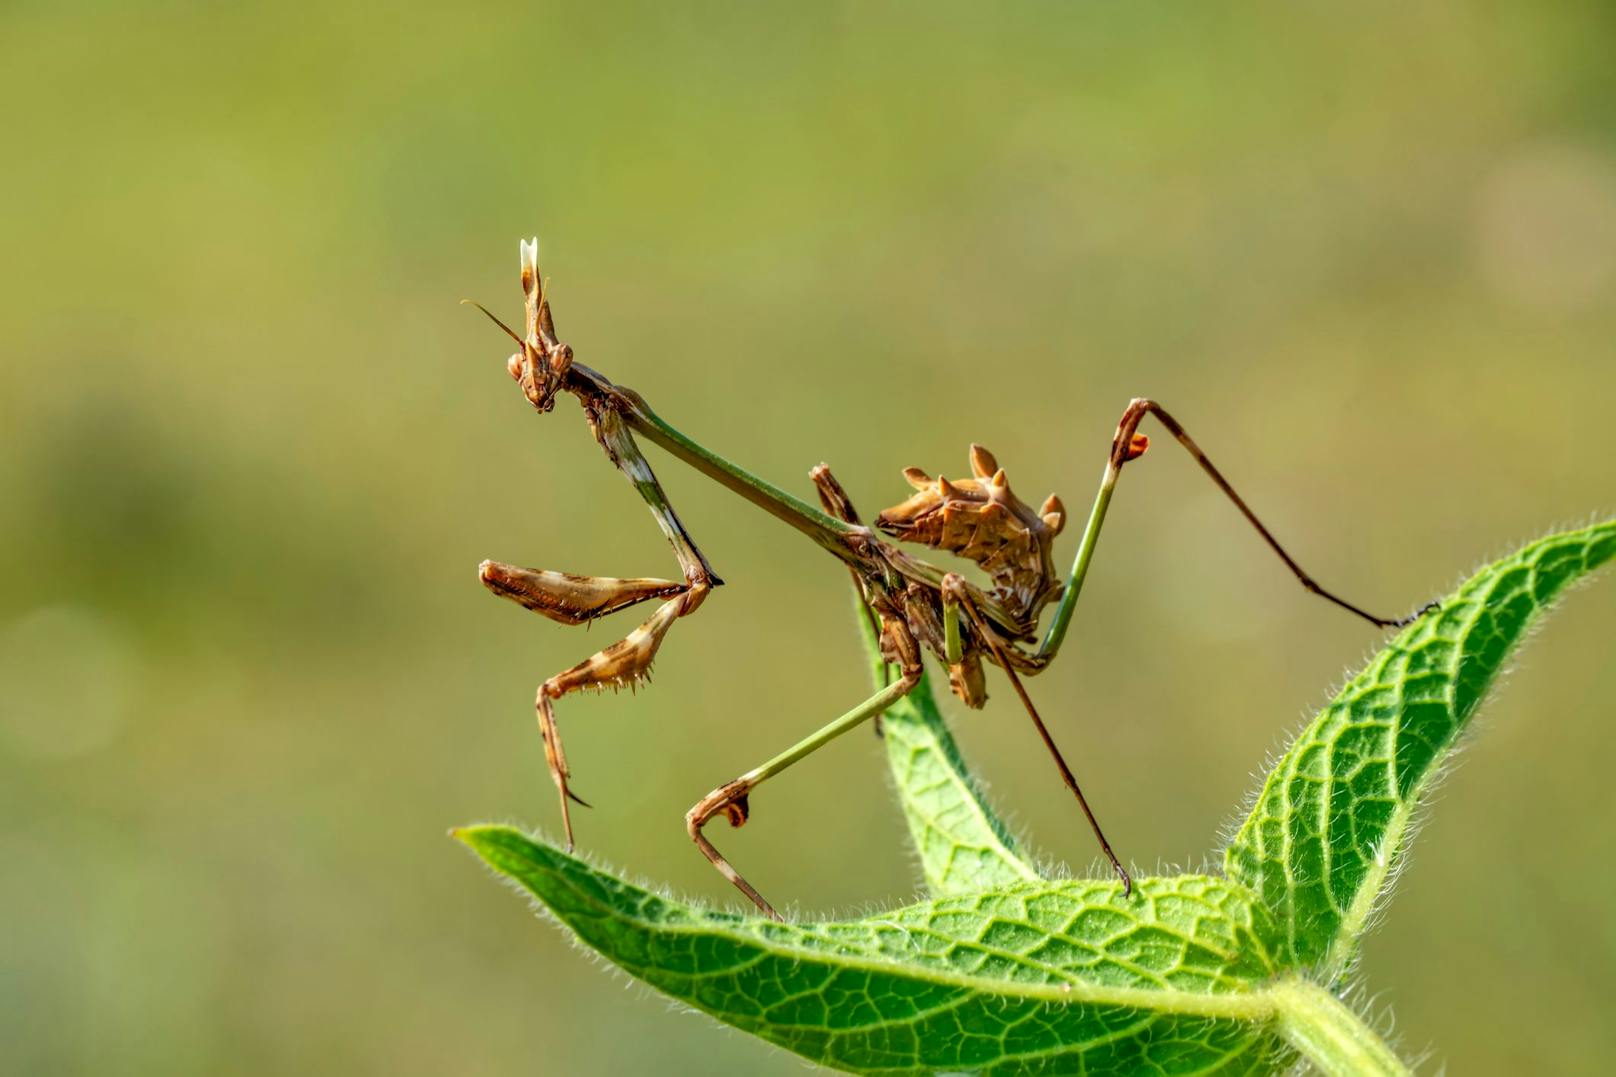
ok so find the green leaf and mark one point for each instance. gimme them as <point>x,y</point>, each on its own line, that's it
<point>1046,977</point>
<point>963,846</point>
<point>1334,815</point>
<point>1007,973</point>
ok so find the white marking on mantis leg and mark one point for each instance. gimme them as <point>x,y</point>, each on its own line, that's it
<point>637,469</point>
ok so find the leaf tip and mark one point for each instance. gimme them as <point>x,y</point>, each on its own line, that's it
<point>472,834</point>
<point>494,842</point>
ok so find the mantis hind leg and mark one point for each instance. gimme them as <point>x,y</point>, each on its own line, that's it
<point>957,598</point>
<point>1128,444</point>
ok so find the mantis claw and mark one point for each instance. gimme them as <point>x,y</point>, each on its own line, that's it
<point>729,800</point>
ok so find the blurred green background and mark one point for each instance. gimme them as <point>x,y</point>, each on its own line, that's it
<point>253,452</point>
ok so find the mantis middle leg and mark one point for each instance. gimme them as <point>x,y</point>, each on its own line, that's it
<point>732,798</point>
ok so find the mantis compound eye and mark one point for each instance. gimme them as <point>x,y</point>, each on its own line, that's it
<point>561,360</point>
<point>514,366</point>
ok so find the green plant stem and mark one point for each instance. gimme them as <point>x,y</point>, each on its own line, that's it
<point>1328,1034</point>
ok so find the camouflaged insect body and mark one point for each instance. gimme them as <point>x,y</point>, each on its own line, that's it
<point>913,606</point>
<point>982,520</point>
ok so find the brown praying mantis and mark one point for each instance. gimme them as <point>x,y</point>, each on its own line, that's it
<point>914,607</point>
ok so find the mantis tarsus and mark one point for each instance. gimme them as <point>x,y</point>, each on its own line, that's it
<point>914,606</point>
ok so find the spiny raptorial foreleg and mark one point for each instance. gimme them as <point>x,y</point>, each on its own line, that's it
<point>572,599</point>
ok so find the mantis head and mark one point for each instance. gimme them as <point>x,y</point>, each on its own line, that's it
<point>540,366</point>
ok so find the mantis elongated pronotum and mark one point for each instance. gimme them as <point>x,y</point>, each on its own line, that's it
<point>913,606</point>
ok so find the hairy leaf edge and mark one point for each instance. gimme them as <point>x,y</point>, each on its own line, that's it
<point>503,848</point>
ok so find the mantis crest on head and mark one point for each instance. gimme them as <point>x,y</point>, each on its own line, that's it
<point>915,607</point>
